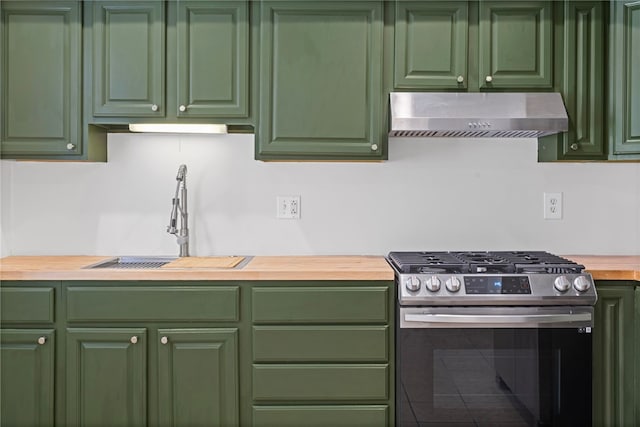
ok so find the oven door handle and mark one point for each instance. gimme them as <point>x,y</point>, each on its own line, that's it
<point>499,320</point>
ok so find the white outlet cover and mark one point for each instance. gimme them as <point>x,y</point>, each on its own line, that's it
<point>552,206</point>
<point>288,207</point>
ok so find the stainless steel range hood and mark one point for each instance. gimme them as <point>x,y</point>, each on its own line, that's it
<point>477,115</point>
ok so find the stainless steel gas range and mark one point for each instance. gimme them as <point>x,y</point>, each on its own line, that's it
<point>492,338</point>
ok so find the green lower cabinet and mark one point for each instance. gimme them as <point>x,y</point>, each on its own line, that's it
<point>624,88</point>
<point>198,377</point>
<point>106,377</point>
<point>27,372</point>
<point>614,403</point>
<point>321,416</point>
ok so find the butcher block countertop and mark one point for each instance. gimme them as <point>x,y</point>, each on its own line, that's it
<point>266,268</point>
<point>257,268</point>
<point>610,267</point>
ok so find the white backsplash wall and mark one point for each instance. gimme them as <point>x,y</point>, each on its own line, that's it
<point>439,194</point>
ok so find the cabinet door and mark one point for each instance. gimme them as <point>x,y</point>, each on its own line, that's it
<point>431,40</point>
<point>613,356</point>
<point>128,58</point>
<point>212,59</point>
<point>582,80</point>
<point>321,92</point>
<point>106,377</point>
<point>624,72</point>
<point>515,48</point>
<point>198,377</point>
<point>40,78</point>
<point>26,370</point>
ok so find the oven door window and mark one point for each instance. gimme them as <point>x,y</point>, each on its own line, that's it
<point>494,377</point>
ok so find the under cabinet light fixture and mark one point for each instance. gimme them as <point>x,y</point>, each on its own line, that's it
<point>177,128</point>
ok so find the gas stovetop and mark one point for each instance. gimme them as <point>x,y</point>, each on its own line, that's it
<point>490,278</point>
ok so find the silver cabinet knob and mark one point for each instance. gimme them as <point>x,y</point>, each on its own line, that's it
<point>154,107</point>
<point>460,79</point>
<point>574,146</point>
<point>562,284</point>
<point>134,339</point>
<point>488,79</point>
<point>164,340</point>
<point>182,108</point>
<point>71,146</point>
<point>374,147</point>
<point>42,340</point>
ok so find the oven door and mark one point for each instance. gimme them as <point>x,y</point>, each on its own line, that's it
<point>494,366</point>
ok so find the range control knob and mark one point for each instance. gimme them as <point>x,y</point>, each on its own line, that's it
<point>562,284</point>
<point>412,283</point>
<point>452,284</point>
<point>433,284</point>
<point>581,284</point>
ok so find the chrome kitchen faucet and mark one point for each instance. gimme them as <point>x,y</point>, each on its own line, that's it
<point>180,205</point>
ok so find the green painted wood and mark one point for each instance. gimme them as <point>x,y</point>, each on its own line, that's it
<point>198,377</point>
<point>515,45</point>
<point>106,377</point>
<point>334,382</point>
<point>320,344</point>
<point>613,356</point>
<point>161,303</point>
<point>26,305</point>
<point>212,59</point>
<point>624,60</point>
<point>637,354</point>
<point>128,58</point>
<point>320,304</point>
<point>321,416</point>
<point>27,372</point>
<point>583,79</point>
<point>321,84</point>
<point>431,45</point>
<point>40,66</point>
<point>579,70</point>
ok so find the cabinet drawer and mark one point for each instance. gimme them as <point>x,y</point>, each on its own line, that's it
<point>320,382</point>
<point>321,416</point>
<point>157,303</point>
<point>320,343</point>
<point>320,304</point>
<point>26,305</point>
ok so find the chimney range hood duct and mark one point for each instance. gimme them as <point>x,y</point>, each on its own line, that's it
<point>477,115</point>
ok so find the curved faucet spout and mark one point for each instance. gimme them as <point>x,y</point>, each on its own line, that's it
<point>179,205</point>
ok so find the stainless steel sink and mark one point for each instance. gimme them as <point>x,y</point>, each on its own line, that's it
<point>146,262</point>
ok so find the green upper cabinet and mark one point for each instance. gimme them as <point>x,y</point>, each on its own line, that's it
<point>212,62</point>
<point>580,77</point>
<point>27,372</point>
<point>624,89</point>
<point>128,57</point>
<point>39,79</point>
<point>515,45</point>
<point>431,45</point>
<point>485,45</point>
<point>202,71</point>
<point>321,81</point>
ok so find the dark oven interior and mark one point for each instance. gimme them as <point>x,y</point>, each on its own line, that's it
<point>494,377</point>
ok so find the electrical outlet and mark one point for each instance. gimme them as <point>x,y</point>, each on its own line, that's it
<point>552,205</point>
<point>288,207</point>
